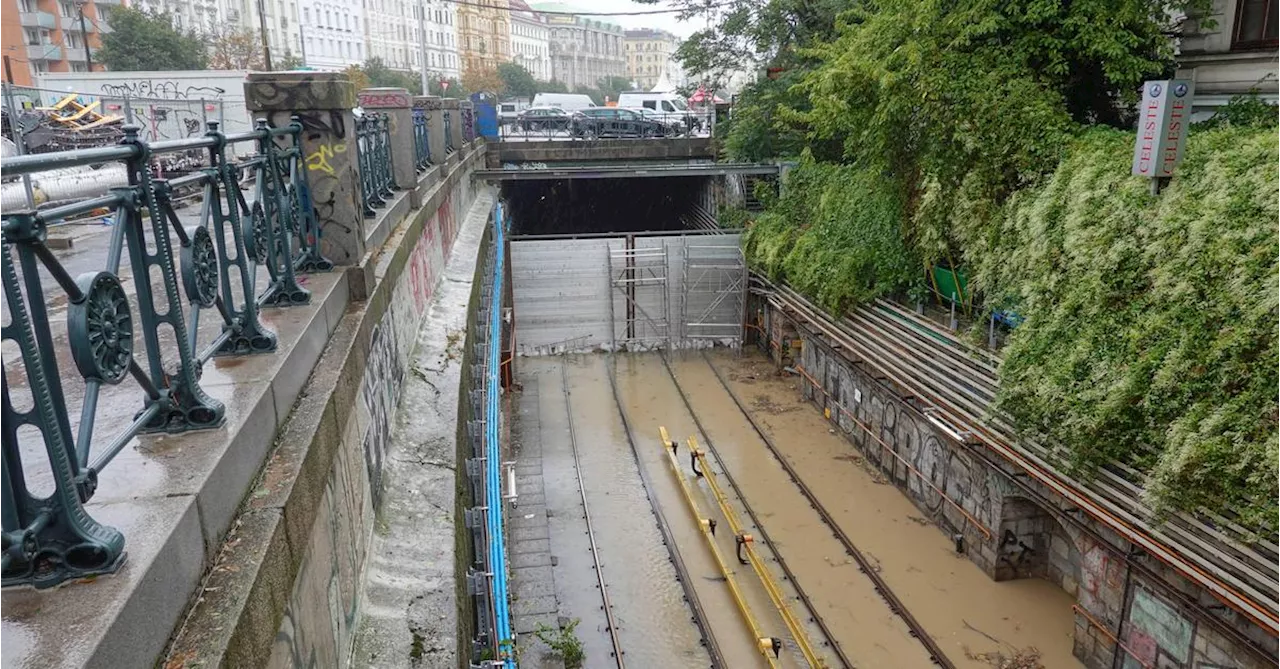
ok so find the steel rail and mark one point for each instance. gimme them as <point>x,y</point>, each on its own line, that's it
<point>994,459</point>
<point>1251,563</point>
<point>668,539</point>
<point>708,530</point>
<point>882,588</point>
<point>1102,509</point>
<point>1237,572</point>
<point>586,514</point>
<point>798,633</point>
<point>1245,576</point>
<point>832,642</point>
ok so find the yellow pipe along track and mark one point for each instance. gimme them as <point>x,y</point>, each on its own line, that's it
<point>746,544</point>
<point>769,647</point>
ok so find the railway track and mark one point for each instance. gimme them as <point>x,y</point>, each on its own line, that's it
<point>668,539</point>
<point>865,566</point>
<point>954,385</point>
<point>607,606</point>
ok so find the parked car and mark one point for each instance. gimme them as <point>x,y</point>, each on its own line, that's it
<point>672,124</point>
<point>614,122</point>
<point>540,119</point>
<point>567,101</point>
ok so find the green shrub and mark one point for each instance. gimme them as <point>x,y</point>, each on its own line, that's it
<point>835,234</point>
<point>1151,322</point>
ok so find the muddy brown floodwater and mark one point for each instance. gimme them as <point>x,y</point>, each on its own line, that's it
<point>974,619</point>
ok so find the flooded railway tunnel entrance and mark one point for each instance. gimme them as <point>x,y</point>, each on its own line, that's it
<point>682,500</point>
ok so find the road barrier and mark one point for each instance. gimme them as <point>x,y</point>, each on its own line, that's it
<point>50,538</point>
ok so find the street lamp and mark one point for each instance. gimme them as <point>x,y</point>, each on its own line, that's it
<point>84,34</point>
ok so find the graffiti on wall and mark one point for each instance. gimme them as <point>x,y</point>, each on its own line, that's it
<point>160,89</point>
<point>899,431</point>
<point>392,344</point>
<point>319,622</point>
<point>1156,634</point>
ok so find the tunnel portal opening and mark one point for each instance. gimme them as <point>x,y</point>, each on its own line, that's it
<point>620,205</point>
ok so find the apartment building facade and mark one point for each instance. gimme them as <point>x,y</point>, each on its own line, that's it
<point>38,36</point>
<point>484,34</point>
<point>650,55</point>
<point>529,44</point>
<point>584,50</point>
<point>1236,55</point>
<point>331,33</point>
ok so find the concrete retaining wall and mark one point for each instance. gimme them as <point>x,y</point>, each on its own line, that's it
<point>286,587</point>
<point>1131,610</point>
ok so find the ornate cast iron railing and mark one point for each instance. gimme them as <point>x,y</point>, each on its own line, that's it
<point>421,143</point>
<point>373,134</point>
<point>178,271</point>
<point>448,131</point>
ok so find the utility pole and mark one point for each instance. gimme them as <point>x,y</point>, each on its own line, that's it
<point>422,43</point>
<point>84,34</point>
<point>262,28</point>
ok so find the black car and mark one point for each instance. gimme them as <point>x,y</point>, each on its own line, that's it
<point>615,122</point>
<point>538,119</point>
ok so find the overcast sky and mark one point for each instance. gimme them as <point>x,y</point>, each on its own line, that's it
<point>666,22</point>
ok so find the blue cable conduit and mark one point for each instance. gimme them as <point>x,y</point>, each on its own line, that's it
<point>493,455</point>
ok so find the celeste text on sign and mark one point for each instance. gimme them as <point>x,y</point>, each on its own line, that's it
<point>1162,127</point>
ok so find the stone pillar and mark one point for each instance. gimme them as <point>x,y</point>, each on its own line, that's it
<point>395,103</point>
<point>322,101</point>
<point>435,125</point>
<point>452,106</point>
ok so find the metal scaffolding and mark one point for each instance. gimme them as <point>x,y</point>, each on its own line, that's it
<point>640,276</point>
<point>713,276</point>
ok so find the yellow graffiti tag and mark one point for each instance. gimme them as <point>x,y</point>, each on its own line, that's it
<point>318,160</point>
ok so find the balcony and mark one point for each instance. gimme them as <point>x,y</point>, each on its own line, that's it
<point>37,20</point>
<point>75,54</point>
<point>44,52</point>
<point>72,23</point>
<point>115,3</point>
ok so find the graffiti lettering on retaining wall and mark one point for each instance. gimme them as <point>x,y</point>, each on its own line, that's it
<point>318,627</point>
<point>1158,629</point>
<point>390,347</point>
<point>940,467</point>
<point>380,391</point>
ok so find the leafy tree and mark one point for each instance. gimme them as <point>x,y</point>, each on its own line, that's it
<point>290,62</point>
<point>455,88</point>
<point>481,79</point>
<point>552,86</point>
<point>381,76</point>
<point>517,82</point>
<point>356,75</point>
<point>145,40</point>
<point>610,87</point>
<point>234,48</point>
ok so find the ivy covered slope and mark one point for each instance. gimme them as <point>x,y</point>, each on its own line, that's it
<point>1151,322</point>
<point>834,235</point>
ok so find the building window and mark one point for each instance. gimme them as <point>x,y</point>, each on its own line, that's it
<point>32,35</point>
<point>1255,25</point>
<point>27,6</point>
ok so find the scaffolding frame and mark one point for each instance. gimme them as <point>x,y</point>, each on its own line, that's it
<point>713,274</point>
<point>637,274</point>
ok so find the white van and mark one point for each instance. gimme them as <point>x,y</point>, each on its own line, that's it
<point>671,105</point>
<point>569,102</point>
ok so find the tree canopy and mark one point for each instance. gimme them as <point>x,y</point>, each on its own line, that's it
<point>517,82</point>
<point>146,40</point>
<point>234,48</point>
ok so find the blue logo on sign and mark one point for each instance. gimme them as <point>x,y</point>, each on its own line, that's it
<point>1154,91</point>
<point>1180,90</point>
